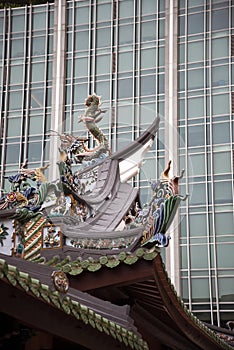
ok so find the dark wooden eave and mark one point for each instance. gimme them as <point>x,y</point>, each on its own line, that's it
<point>37,310</point>
<point>153,306</point>
<point>157,311</point>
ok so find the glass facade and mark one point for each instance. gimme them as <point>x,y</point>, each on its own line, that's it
<point>119,50</point>
<point>116,49</point>
<point>26,59</point>
<point>205,45</point>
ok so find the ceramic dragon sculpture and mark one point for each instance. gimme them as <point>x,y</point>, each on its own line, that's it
<point>73,149</point>
<point>92,116</point>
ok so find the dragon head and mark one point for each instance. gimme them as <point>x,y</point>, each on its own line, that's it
<point>93,100</point>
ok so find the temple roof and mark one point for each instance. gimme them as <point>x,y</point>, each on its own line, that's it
<point>155,313</point>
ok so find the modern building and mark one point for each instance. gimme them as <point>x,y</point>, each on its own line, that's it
<point>144,57</point>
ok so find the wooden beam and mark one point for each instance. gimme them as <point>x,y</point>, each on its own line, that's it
<point>106,277</point>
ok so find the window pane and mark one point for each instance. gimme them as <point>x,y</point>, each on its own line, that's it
<point>196,136</point>
<point>148,85</point>
<point>35,125</point>
<point>80,67</point>
<point>224,223</point>
<point>125,61</point>
<point>196,107</point>
<point>161,84</point>
<point>184,258</point>
<point>226,292</point>
<point>185,292</point>
<point>37,73</point>
<point>103,89</point>
<point>125,88</point>
<point>200,288</point>
<point>195,51</point>
<point>182,25</point>
<point>220,75</point>
<point>125,34</point>
<point>81,15</point>
<point>38,46</point>
<point>103,37</point>
<point>197,194</point>
<point>219,19</point>
<point>13,126</point>
<point>103,64</point>
<point>17,23</point>
<point>39,21</point>
<point>148,31</point>
<point>81,40</point>
<point>181,53</point>
<point>126,8</point>
<point>161,29</point>
<point>34,151</point>
<point>103,12</point>
<point>181,108</point>
<point>220,104</point>
<point>80,93</point>
<point>181,80</point>
<point>148,7</point>
<point>17,48</point>
<point>195,23</point>
<point>16,74</point>
<point>197,164</point>
<point>199,256</point>
<point>197,225</point>
<point>225,255</point>
<point>124,115</point>
<point>221,133</point>
<point>222,162</point>
<point>223,192</point>
<point>195,79</point>
<point>148,58</point>
<point>37,98</point>
<point>192,3</point>
<point>15,100</point>
<point>161,56</point>
<point>220,47</point>
<point>12,153</point>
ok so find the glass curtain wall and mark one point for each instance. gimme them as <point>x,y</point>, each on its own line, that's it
<point>116,49</point>
<point>205,97</point>
<point>26,54</point>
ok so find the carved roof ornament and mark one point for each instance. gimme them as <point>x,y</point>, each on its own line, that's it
<point>60,281</point>
<point>91,206</point>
